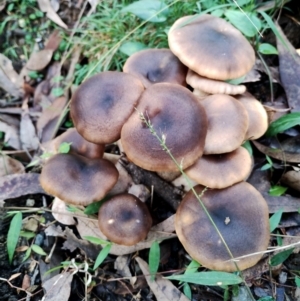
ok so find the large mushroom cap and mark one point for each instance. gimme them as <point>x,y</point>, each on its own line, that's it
<point>102,104</point>
<point>153,66</point>
<point>174,113</point>
<point>227,124</point>
<point>211,47</point>
<point>78,180</point>
<point>124,219</point>
<point>223,170</point>
<point>241,215</point>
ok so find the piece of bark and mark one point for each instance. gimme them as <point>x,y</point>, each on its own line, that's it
<point>165,190</point>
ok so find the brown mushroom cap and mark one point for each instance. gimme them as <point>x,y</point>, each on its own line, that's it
<point>173,112</point>
<point>258,117</point>
<point>211,86</point>
<point>241,215</point>
<point>102,104</point>
<point>78,145</point>
<point>211,47</point>
<point>155,66</point>
<point>227,124</point>
<point>78,180</point>
<point>124,219</point>
<point>223,170</point>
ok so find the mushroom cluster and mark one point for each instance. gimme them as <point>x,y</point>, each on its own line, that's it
<point>203,126</point>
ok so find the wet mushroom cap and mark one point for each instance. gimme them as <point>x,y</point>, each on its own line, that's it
<point>153,66</point>
<point>241,215</point>
<point>211,47</point>
<point>211,86</point>
<point>78,180</point>
<point>124,219</point>
<point>102,104</point>
<point>222,170</point>
<point>78,144</point>
<point>176,115</point>
<point>258,117</point>
<point>227,124</point>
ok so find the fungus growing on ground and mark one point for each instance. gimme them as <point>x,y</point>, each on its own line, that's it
<point>227,124</point>
<point>241,215</point>
<point>211,47</point>
<point>223,170</point>
<point>124,219</point>
<point>102,104</point>
<point>174,113</point>
<point>154,66</point>
<point>78,180</point>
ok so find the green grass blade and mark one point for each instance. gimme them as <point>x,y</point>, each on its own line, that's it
<point>37,249</point>
<point>283,123</point>
<point>102,255</point>
<point>275,220</point>
<point>208,278</point>
<point>13,235</point>
<point>96,240</point>
<point>154,258</point>
<point>281,257</point>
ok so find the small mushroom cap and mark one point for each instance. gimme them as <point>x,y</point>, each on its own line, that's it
<point>102,104</point>
<point>155,66</point>
<point>211,47</point>
<point>78,145</point>
<point>78,180</point>
<point>124,219</point>
<point>227,124</point>
<point>241,215</point>
<point>174,113</point>
<point>211,86</point>
<point>223,170</point>
<point>258,117</point>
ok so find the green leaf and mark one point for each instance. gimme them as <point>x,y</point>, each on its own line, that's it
<point>192,267</point>
<point>93,208</point>
<point>37,249</point>
<point>297,281</point>
<point>281,257</point>
<point>275,220</point>
<point>96,240</point>
<point>236,81</point>
<point>27,234</point>
<point>247,145</point>
<point>102,255</point>
<point>277,190</point>
<point>266,166</point>
<point>13,235</point>
<point>268,298</point>
<point>154,258</point>
<point>27,254</point>
<point>208,278</point>
<point>64,147</point>
<point>266,48</point>
<point>241,22</point>
<point>130,48</point>
<point>187,290</point>
<point>283,123</point>
<point>57,92</point>
<point>46,155</point>
<point>146,9</point>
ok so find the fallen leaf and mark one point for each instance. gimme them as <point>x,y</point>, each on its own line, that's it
<point>9,166</point>
<point>10,126</point>
<point>122,266</point>
<point>2,5</point>
<point>163,289</point>
<point>55,4</point>
<point>39,60</point>
<point>60,212</point>
<point>14,186</point>
<point>45,6</point>
<point>291,179</point>
<point>29,139</point>
<point>289,68</point>
<point>9,79</point>
<point>59,285</point>
<point>47,125</point>
<point>278,154</point>
<point>53,40</point>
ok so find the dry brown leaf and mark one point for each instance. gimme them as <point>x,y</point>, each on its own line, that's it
<point>48,121</point>
<point>10,126</point>
<point>9,166</point>
<point>292,179</point>
<point>29,139</point>
<point>277,153</point>
<point>45,6</point>
<point>53,230</point>
<point>163,289</point>
<point>53,40</point>
<point>2,5</point>
<point>14,276</point>
<point>60,212</point>
<point>39,60</point>
<point>121,265</point>
<point>58,287</point>
<point>14,186</point>
<point>289,68</point>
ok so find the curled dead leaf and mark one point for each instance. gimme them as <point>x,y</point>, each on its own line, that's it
<point>61,214</point>
<point>39,60</point>
<point>9,166</point>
